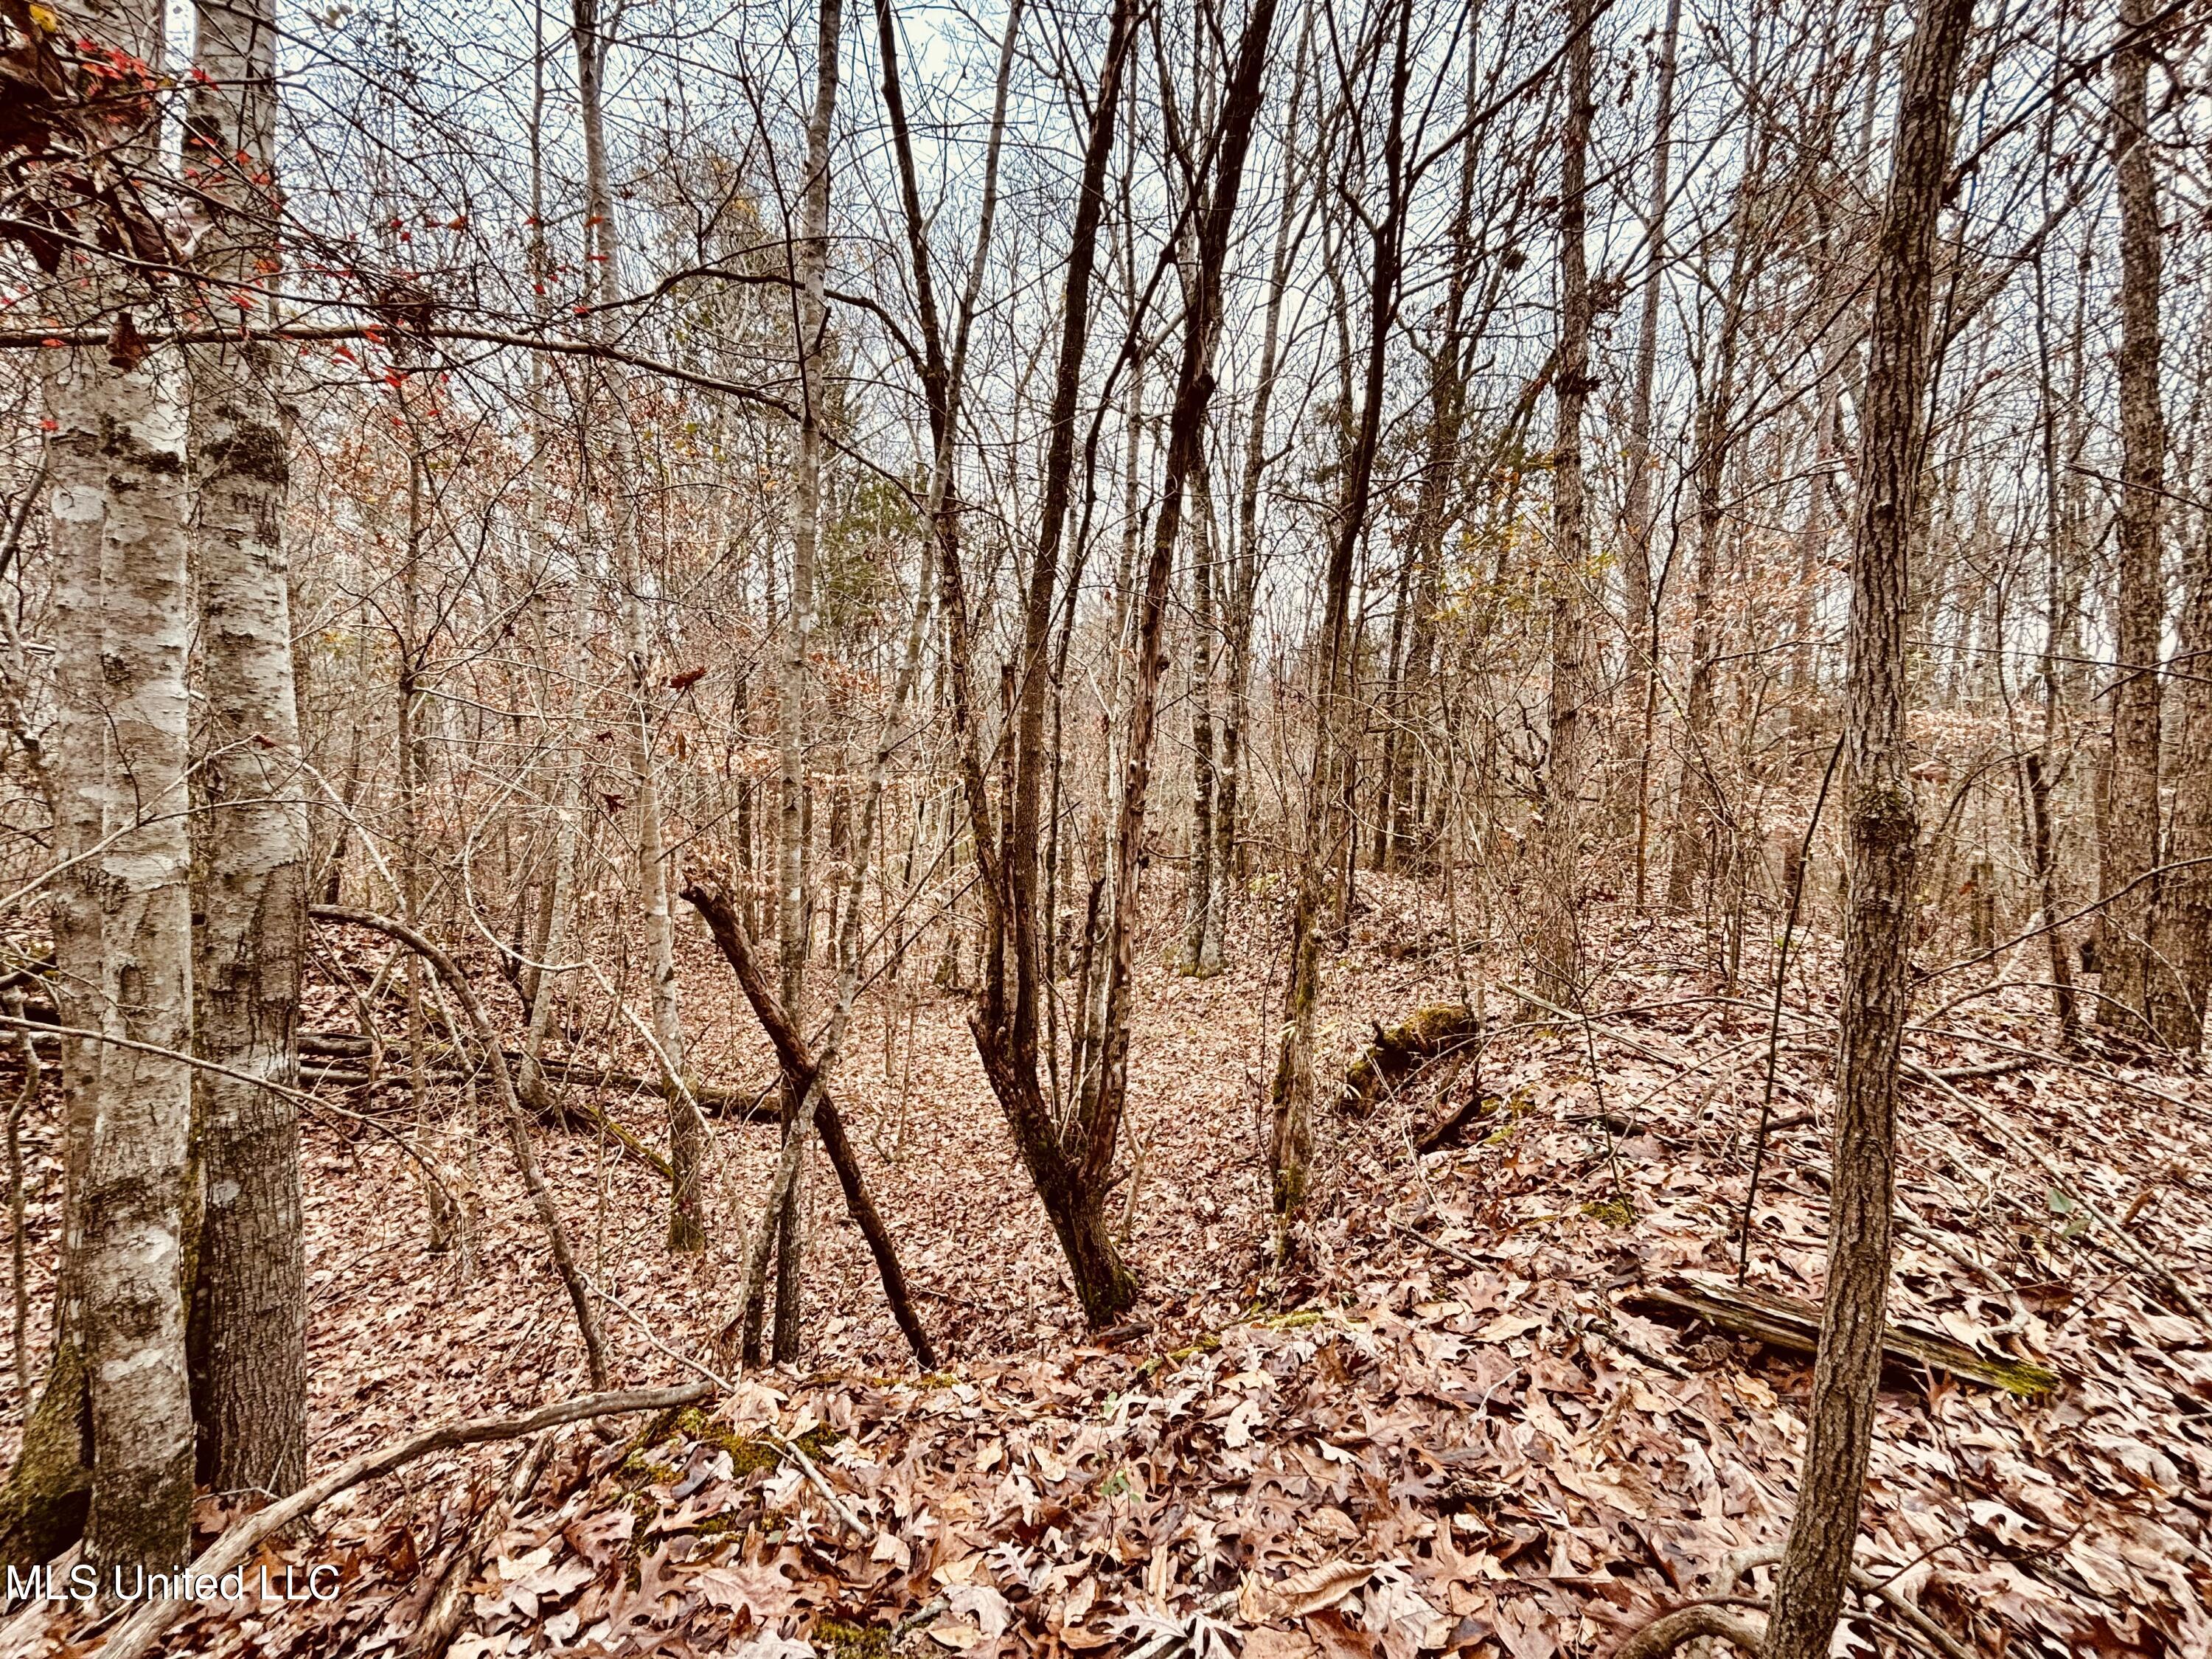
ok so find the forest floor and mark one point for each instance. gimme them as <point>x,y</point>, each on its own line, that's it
<point>1452,1426</point>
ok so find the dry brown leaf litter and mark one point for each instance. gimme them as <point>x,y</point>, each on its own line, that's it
<point>1469,1448</point>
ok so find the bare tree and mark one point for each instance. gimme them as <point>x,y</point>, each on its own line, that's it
<point>2130,838</point>
<point>1556,946</point>
<point>1067,1158</point>
<point>1327,831</point>
<point>1883,823</point>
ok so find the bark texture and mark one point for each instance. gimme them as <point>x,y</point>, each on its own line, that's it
<point>2181,926</point>
<point>249,1297</point>
<point>2131,842</point>
<point>1558,967</point>
<point>1883,824</point>
<point>128,1223</point>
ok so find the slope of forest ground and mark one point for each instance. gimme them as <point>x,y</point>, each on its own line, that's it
<point>1451,1426</point>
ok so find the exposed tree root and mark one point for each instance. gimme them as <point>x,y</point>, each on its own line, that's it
<point>1664,1634</point>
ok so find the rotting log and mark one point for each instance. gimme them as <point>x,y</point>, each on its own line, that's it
<point>1398,1052</point>
<point>1783,1321</point>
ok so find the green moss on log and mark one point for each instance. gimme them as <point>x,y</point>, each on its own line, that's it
<point>1402,1050</point>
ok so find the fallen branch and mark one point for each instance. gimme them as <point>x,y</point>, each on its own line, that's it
<point>591,1116</point>
<point>1447,1130</point>
<point>442,1618</point>
<point>1734,1570</point>
<point>719,1099</point>
<point>143,1628</point>
<point>768,1431</point>
<point>525,1155</point>
<point>1781,1321</point>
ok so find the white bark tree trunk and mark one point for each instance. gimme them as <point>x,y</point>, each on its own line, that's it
<point>249,1304</point>
<point>121,765</point>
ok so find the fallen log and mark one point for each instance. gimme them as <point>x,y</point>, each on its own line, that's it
<point>1402,1050</point>
<point>446,1058</point>
<point>1783,1321</point>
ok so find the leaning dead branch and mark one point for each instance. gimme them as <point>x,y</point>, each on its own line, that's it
<point>518,1127</point>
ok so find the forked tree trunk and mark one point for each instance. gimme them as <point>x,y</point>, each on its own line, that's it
<point>1240,112</point>
<point>1063,1156</point>
<point>249,1298</point>
<point>1882,821</point>
<point>2130,846</point>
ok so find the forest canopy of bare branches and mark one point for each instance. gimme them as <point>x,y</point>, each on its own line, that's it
<point>1297,828</point>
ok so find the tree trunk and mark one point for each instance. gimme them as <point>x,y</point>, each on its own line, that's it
<point>1203,897</point>
<point>1241,589</point>
<point>1639,619</point>
<point>1698,804</point>
<point>811,255</point>
<point>1240,112</point>
<point>128,1224</point>
<point>2130,851</point>
<point>1558,948</point>
<point>1433,512</point>
<point>800,1066</point>
<point>249,1299</point>
<point>2181,926</point>
<point>49,1490</point>
<point>1883,826</point>
<point>687,1224</point>
<point>1290,1135</point>
<point>1005,1024</point>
